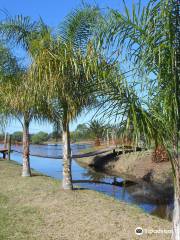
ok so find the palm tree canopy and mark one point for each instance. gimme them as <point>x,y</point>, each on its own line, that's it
<point>97,128</point>
<point>8,63</point>
<point>80,26</point>
<point>8,69</point>
<point>68,62</point>
<point>22,31</point>
<point>148,37</point>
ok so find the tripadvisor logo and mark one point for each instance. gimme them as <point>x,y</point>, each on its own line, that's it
<point>139,231</point>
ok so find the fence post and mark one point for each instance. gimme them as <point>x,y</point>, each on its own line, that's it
<point>123,149</point>
<point>9,147</point>
<point>107,138</point>
<point>5,140</point>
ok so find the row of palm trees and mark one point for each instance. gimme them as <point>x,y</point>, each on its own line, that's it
<point>53,87</point>
<point>80,66</point>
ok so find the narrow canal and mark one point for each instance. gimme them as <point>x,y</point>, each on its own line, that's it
<point>87,178</point>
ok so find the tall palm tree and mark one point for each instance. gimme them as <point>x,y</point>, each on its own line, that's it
<point>66,67</point>
<point>151,36</point>
<point>19,97</point>
<point>20,102</point>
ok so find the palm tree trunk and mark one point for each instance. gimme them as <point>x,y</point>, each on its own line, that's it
<point>176,213</point>
<point>26,171</point>
<point>67,177</point>
<point>5,140</point>
<point>176,168</point>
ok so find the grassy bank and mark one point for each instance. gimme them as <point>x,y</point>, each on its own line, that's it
<point>37,208</point>
<point>136,165</point>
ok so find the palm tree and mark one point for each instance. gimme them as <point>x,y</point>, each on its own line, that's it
<point>151,36</point>
<point>66,69</point>
<point>20,102</point>
<point>19,97</point>
<point>97,129</point>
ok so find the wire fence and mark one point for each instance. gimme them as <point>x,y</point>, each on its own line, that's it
<point>84,155</point>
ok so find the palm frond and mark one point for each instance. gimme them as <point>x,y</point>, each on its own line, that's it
<point>79,26</point>
<point>18,30</point>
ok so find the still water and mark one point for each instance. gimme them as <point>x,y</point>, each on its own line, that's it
<point>53,167</point>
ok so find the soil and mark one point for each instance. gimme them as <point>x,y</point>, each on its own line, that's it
<point>135,166</point>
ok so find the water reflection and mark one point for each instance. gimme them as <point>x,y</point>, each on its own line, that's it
<point>93,175</point>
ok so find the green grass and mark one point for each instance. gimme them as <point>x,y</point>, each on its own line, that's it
<point>37,208</point>
<point>19,222</point>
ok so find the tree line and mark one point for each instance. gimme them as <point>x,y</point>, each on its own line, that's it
<point>95,131</point>
<point>38,138</point>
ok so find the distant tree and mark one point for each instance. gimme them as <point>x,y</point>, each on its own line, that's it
<point>97,129</point>
<point>17,136</point>
<point>55,136</point>
<point>81,132</point>
<point>40,137</point>
<point>82,127</point>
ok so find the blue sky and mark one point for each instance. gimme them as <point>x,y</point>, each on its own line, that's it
<point>52,12</point>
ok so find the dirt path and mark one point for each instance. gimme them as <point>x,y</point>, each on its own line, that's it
<point>37,208</point>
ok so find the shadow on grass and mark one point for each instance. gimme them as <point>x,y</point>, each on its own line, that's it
<point>79,188</point>
<point>38,175</point>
